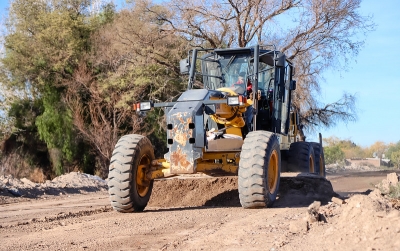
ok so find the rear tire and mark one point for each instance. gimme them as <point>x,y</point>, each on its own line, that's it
<point>319,158</point>
<point>128,187</point>
<point>301,157</point>
<point>259,170</point>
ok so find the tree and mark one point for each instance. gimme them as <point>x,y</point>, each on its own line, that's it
<point>314,114</point>
<point>44,42</point>
<point>377,149</point>
<point>22,149</point>
<point>393,153</point>
<point>316,35</point>
<point>395,157</point>
<point>333,154</point>
<point>131,61</point>
<point>347,147</point>
<point>89,74</point>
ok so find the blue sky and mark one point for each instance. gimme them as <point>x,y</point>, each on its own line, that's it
<point>374,76</point>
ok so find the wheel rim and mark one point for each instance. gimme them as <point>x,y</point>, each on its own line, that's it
<point>311,164</point>
<point>321,166</point>
<point>141,176</point>
<point>273,170</point>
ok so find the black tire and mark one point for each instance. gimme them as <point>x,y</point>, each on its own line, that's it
<point>130,155</point>
<point>259,170</point>
<point>319,159</point>
<point>301,157</point>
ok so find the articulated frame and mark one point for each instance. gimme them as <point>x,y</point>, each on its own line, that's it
<point>224,162</point>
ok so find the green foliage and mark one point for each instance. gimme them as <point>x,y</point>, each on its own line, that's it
<point>44,42</point>
<point>348,147</point>
<point>44,45</point>
<point>158,136</point>
<point>351,150</point>
<point>55,127</point>
<point>84,70</point>
<point>393,148</point>
<point>88,162</point>
<point>377,149</point>
<point>24,133</point>
<point>333,154</point>
<point>394,191</point>
<point>107,15</point>
<point>24,112</point>
<point>395,158</point>
<point>22,148</point>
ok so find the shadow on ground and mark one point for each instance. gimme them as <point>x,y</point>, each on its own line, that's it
<point>299,191</point>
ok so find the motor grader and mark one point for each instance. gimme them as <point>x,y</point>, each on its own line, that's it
<point>234,118</point>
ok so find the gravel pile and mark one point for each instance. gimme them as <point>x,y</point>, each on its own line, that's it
<point>73,182</point>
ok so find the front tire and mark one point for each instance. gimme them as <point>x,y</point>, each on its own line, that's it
<point>129,188</point>
<point>259,170</point>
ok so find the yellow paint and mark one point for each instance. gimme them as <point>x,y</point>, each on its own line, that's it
<point>273,170</point>
<point>142,182</point>
<point>230,162</point>
<point>234,130</point>
<point>230,115</point>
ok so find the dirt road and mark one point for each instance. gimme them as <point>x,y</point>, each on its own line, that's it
<point>205,214</point>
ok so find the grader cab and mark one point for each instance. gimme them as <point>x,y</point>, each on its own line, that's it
<point>234,118</point>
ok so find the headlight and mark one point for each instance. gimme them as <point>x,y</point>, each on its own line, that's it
<point>142,106</point>
<point>233,100</point>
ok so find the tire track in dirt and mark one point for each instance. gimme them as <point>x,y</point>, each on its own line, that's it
<point>203,213</point>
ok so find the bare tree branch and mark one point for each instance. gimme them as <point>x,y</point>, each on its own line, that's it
<point>315,34</point>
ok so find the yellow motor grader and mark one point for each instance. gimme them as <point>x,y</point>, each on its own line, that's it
<point>238,122</point>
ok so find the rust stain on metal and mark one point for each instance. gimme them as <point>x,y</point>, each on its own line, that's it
<point>180,155</point>
<point>181,132</point>
<point>181,138</point>
<point>179,160</point>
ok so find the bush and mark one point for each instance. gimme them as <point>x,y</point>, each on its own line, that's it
<point>333,154</point>
<point>20,166</point>
<point>394,191</point>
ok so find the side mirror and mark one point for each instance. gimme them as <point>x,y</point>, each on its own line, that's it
<point>293,85</point>
<point>184,66</point>
<point>280,61</point>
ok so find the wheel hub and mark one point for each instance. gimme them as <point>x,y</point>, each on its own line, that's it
<point>311,164</point>
<point>142,183</point>
<point>273,171</point>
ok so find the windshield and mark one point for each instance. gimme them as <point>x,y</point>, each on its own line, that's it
<point>235,71</point>
<point>227,71</point>
<point>265,77</point>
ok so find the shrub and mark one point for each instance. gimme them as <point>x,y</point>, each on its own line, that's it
<point>394,191</point>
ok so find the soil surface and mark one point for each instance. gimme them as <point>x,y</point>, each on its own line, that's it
<point>73,212</point>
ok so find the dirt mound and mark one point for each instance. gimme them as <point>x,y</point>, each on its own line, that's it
<point>303,189</point>
<point>370,204</point>
<point>174,192</point>
<point>195,192</point>
<point>223,192</point>
<point>361,222</point>
<point>71,183</point>
<point>367,221</point>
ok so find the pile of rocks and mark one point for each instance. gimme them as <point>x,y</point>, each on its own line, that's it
<point>73,182</point>
<point>390,183</point>
<point>381,202</point>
